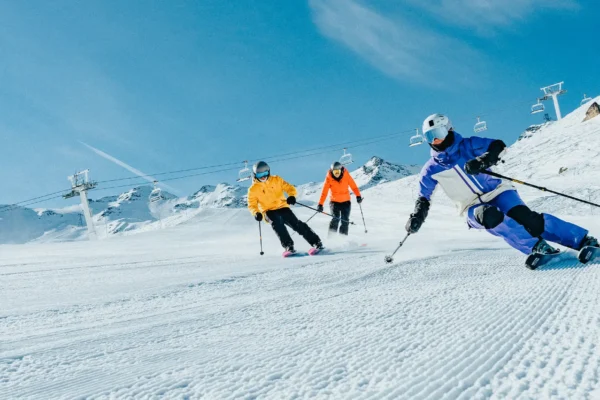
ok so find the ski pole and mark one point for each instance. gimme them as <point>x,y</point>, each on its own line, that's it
<point>323,212</point>
<point>389,259</point>
<point>260,235</point>
<point>305,222</point>
<point>543,189</point>
<point>363,216</point>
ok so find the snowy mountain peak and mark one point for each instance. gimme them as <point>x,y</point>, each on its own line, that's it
<point>377,170</point>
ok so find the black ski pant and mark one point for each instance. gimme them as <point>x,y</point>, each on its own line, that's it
<point>284,216</point>
<point>341,214</point>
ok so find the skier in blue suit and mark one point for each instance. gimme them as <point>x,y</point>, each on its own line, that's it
<point>489,203</point>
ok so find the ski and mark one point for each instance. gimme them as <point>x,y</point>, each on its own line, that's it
<point>588,254</point>
<point>287,254</point>
<point>536,260</point>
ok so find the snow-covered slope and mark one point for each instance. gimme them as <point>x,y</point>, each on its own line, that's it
<point>564,156</point>
<point>194,312</point>
<point>132,211</point>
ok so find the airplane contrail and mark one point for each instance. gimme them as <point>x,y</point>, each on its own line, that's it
<point>127,167</point>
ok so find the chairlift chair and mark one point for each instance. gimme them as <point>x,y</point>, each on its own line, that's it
<point>346,158</point>
<point>480,126</point>
<point>585,100</point>
<point>417,139</point>
<point>537,107</point>
<point>245,174</point>
<point>155,194</point>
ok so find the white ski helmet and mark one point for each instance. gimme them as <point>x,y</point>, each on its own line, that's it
<point>436,126</point>
<point>261,170</point>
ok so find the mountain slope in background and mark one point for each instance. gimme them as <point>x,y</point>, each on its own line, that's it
<point>132,211</point>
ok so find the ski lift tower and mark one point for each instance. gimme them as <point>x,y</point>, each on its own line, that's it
<point>553,91</point>
<point>80,184</point>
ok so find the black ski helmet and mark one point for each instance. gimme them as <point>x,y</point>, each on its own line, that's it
<point>336,165</point>
<point>261,167</point>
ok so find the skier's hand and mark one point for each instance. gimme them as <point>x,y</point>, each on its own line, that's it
<point>414,224</point>
<point>320,208</point>
<point>359,199</point>
<point>258,216</point>
<point>291,200</point>
<point>475,166</point>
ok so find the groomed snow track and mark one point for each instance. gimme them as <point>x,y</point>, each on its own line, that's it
<point>468,325</point>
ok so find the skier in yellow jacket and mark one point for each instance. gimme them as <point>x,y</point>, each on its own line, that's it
<point>266,199</point>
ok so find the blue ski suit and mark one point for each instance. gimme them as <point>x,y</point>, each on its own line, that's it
<point>488,202</point>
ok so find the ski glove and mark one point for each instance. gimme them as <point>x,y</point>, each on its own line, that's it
<point>291,200</point>
<point>320,208</point>
<point>359,199</point>
<point>486,160</point>
<point>418,216</point>
<point>258,216</point>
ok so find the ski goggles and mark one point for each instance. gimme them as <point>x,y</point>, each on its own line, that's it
<point>263,174</point>
<point>438,133</point>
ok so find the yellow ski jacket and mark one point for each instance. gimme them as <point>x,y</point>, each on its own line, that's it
<point>267,196</point>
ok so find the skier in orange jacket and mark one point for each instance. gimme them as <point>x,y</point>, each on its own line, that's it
<point>337,181</point>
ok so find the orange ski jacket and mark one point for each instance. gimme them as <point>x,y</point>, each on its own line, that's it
<point>338,187</point>
<point>268,196</point>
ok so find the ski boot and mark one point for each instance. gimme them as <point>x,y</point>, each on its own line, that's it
<point>317,247</point>
<point>590,249</point>
<point>541,254</point>
<point>542,247</point>
<point>590,241</point>
<point>289,251</point>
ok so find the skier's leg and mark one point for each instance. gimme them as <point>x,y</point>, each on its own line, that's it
<point>302,228</point>
<point>546,226</point>
<point>335,220</point>
<point>278,224</point>
<point>490,218</point>
<point>345,208</point>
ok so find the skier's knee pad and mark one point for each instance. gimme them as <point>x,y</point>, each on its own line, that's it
<point>488,216</point>
<point>532,221</point>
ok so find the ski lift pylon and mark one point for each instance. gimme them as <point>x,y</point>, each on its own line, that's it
<point>585,99</point>
<point>346,158</point>
<point>245,174</point>
<point>480,126</point>
<point>417,139</point>
<point>155,194</point>
<point>537,107</point>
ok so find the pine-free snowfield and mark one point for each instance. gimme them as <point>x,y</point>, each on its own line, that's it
<point>194,312</point>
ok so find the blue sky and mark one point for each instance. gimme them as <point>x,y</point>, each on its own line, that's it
<point>172,85</point>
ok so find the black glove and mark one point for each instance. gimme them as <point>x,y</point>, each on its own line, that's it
<point>477,165</point>
<point>359,199</point>
<point>418,216</point>
<point>258,216</point>
<point>291,200</point>
<point>320,208</point>
<point>486,160</point>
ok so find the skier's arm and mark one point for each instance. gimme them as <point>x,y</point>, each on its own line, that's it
<point>288,188</point>
<point>353,186</point>
<point>325,191</point>
<point>252,202</point>
<point>427,185</point>
<point>489,156</point>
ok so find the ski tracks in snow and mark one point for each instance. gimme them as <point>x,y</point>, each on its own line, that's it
<point>469,325</point>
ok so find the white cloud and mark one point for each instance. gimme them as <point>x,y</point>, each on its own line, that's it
<point>487,15</point>
<point>395,46</point>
